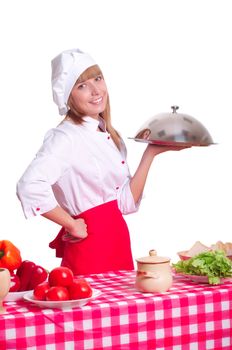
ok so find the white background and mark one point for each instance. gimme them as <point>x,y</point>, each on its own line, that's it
<point>153,54</point>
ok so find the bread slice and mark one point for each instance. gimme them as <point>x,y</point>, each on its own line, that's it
<point>226,247</point>
<point>197,248</point>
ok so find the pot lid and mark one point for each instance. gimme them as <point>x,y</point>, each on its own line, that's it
<point>174,129</point>
<point>153,258</point>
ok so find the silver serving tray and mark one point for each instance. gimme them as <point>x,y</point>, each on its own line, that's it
<point>172,143</point>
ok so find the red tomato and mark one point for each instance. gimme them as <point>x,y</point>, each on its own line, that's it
<point>14,283</point>
<point>80,289</point>
<point>60,276</point>
<point>41,290</point>
<point>57,293</point>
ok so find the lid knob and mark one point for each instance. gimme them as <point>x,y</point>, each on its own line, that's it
<point>152,252</point>
<point>174,108</point>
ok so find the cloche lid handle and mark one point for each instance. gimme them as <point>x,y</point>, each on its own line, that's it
<point>174,108</point>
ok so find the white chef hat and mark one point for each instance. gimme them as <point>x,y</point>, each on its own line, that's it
<point>66,69</point>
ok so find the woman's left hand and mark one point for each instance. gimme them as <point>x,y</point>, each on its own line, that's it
<point>154,150</point>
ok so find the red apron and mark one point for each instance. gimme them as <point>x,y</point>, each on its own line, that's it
<point>106,248</point>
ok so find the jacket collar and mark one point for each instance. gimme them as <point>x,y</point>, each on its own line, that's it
<point>93,124</point>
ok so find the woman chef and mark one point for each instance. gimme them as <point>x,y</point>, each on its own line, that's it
<point>79,178</point>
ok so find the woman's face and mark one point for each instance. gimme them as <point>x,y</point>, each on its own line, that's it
<point>89,97</point>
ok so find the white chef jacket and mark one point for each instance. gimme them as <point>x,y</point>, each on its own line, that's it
<point>77,168</point>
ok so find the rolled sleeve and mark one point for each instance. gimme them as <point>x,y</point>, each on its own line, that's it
<point>34,189</point>
<point>125,199</point>
<point>36,197</point>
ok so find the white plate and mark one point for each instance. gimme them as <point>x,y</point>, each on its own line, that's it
<point>66,304</point>
<point>15,296</point>
<point>203,279</point>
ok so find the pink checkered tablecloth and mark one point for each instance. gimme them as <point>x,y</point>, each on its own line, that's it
<point>189,316</point>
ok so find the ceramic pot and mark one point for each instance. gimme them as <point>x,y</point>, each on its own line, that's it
<point>4,286</point>
<point>154,273</point>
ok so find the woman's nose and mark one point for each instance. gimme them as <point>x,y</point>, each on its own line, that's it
<point>94,90</point>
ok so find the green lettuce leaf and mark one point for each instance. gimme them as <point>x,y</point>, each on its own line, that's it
<point>213,264</point>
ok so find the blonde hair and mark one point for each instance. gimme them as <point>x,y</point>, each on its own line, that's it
<point>77,116</point>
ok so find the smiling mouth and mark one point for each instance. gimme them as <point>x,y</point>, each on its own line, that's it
<point>97,101</point>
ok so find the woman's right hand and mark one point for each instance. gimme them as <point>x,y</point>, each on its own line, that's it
<point>77,232</point>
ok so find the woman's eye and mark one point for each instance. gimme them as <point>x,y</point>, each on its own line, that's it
<point>98,78</point>
<point>81,86</point>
